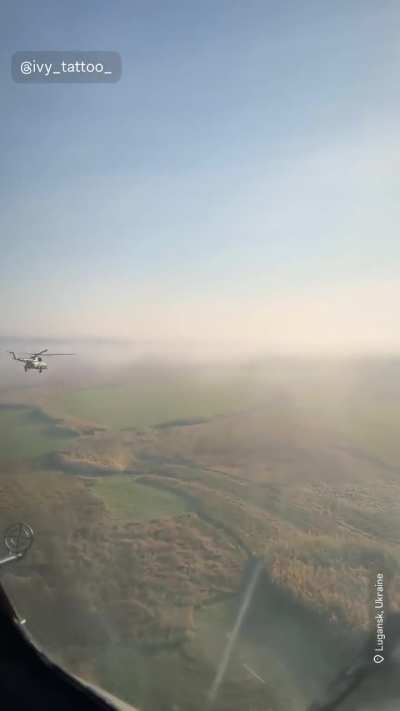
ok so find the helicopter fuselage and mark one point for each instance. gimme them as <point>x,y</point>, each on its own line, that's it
<point>35,364</point>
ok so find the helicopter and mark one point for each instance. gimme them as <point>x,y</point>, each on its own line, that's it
<point>35,360</point>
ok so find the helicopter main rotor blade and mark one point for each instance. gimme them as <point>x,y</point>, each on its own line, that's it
<point>59,354</point>
<point>33,355</point>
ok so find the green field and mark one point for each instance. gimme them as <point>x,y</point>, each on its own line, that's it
<point>352,413</point>
<point>357,422</point>
<point>26,434</point>
<point>158,398</point>
<point>128,499</point>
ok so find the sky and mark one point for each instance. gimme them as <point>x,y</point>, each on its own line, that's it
<point>238,186</point>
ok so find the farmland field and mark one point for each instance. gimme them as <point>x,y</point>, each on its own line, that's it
<point>351,412</point>
<point>128,499</point>
<point>26,433</point>
<point>154,398</point>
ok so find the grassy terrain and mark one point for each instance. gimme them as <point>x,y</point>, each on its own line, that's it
<point>24,434</point>
<point>357,405</point>
<point>360,422</point>
<point>148,563</point>
<point>161,397</point>
<point>128,499</point>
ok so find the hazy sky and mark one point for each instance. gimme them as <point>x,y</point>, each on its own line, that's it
<point>240,183</point>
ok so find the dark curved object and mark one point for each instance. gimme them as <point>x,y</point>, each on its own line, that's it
<point>29,680</point>
<point>363,670</point>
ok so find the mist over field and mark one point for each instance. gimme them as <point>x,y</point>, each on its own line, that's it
<point>343,318</point>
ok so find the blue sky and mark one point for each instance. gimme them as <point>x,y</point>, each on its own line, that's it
<point>241,181</point>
